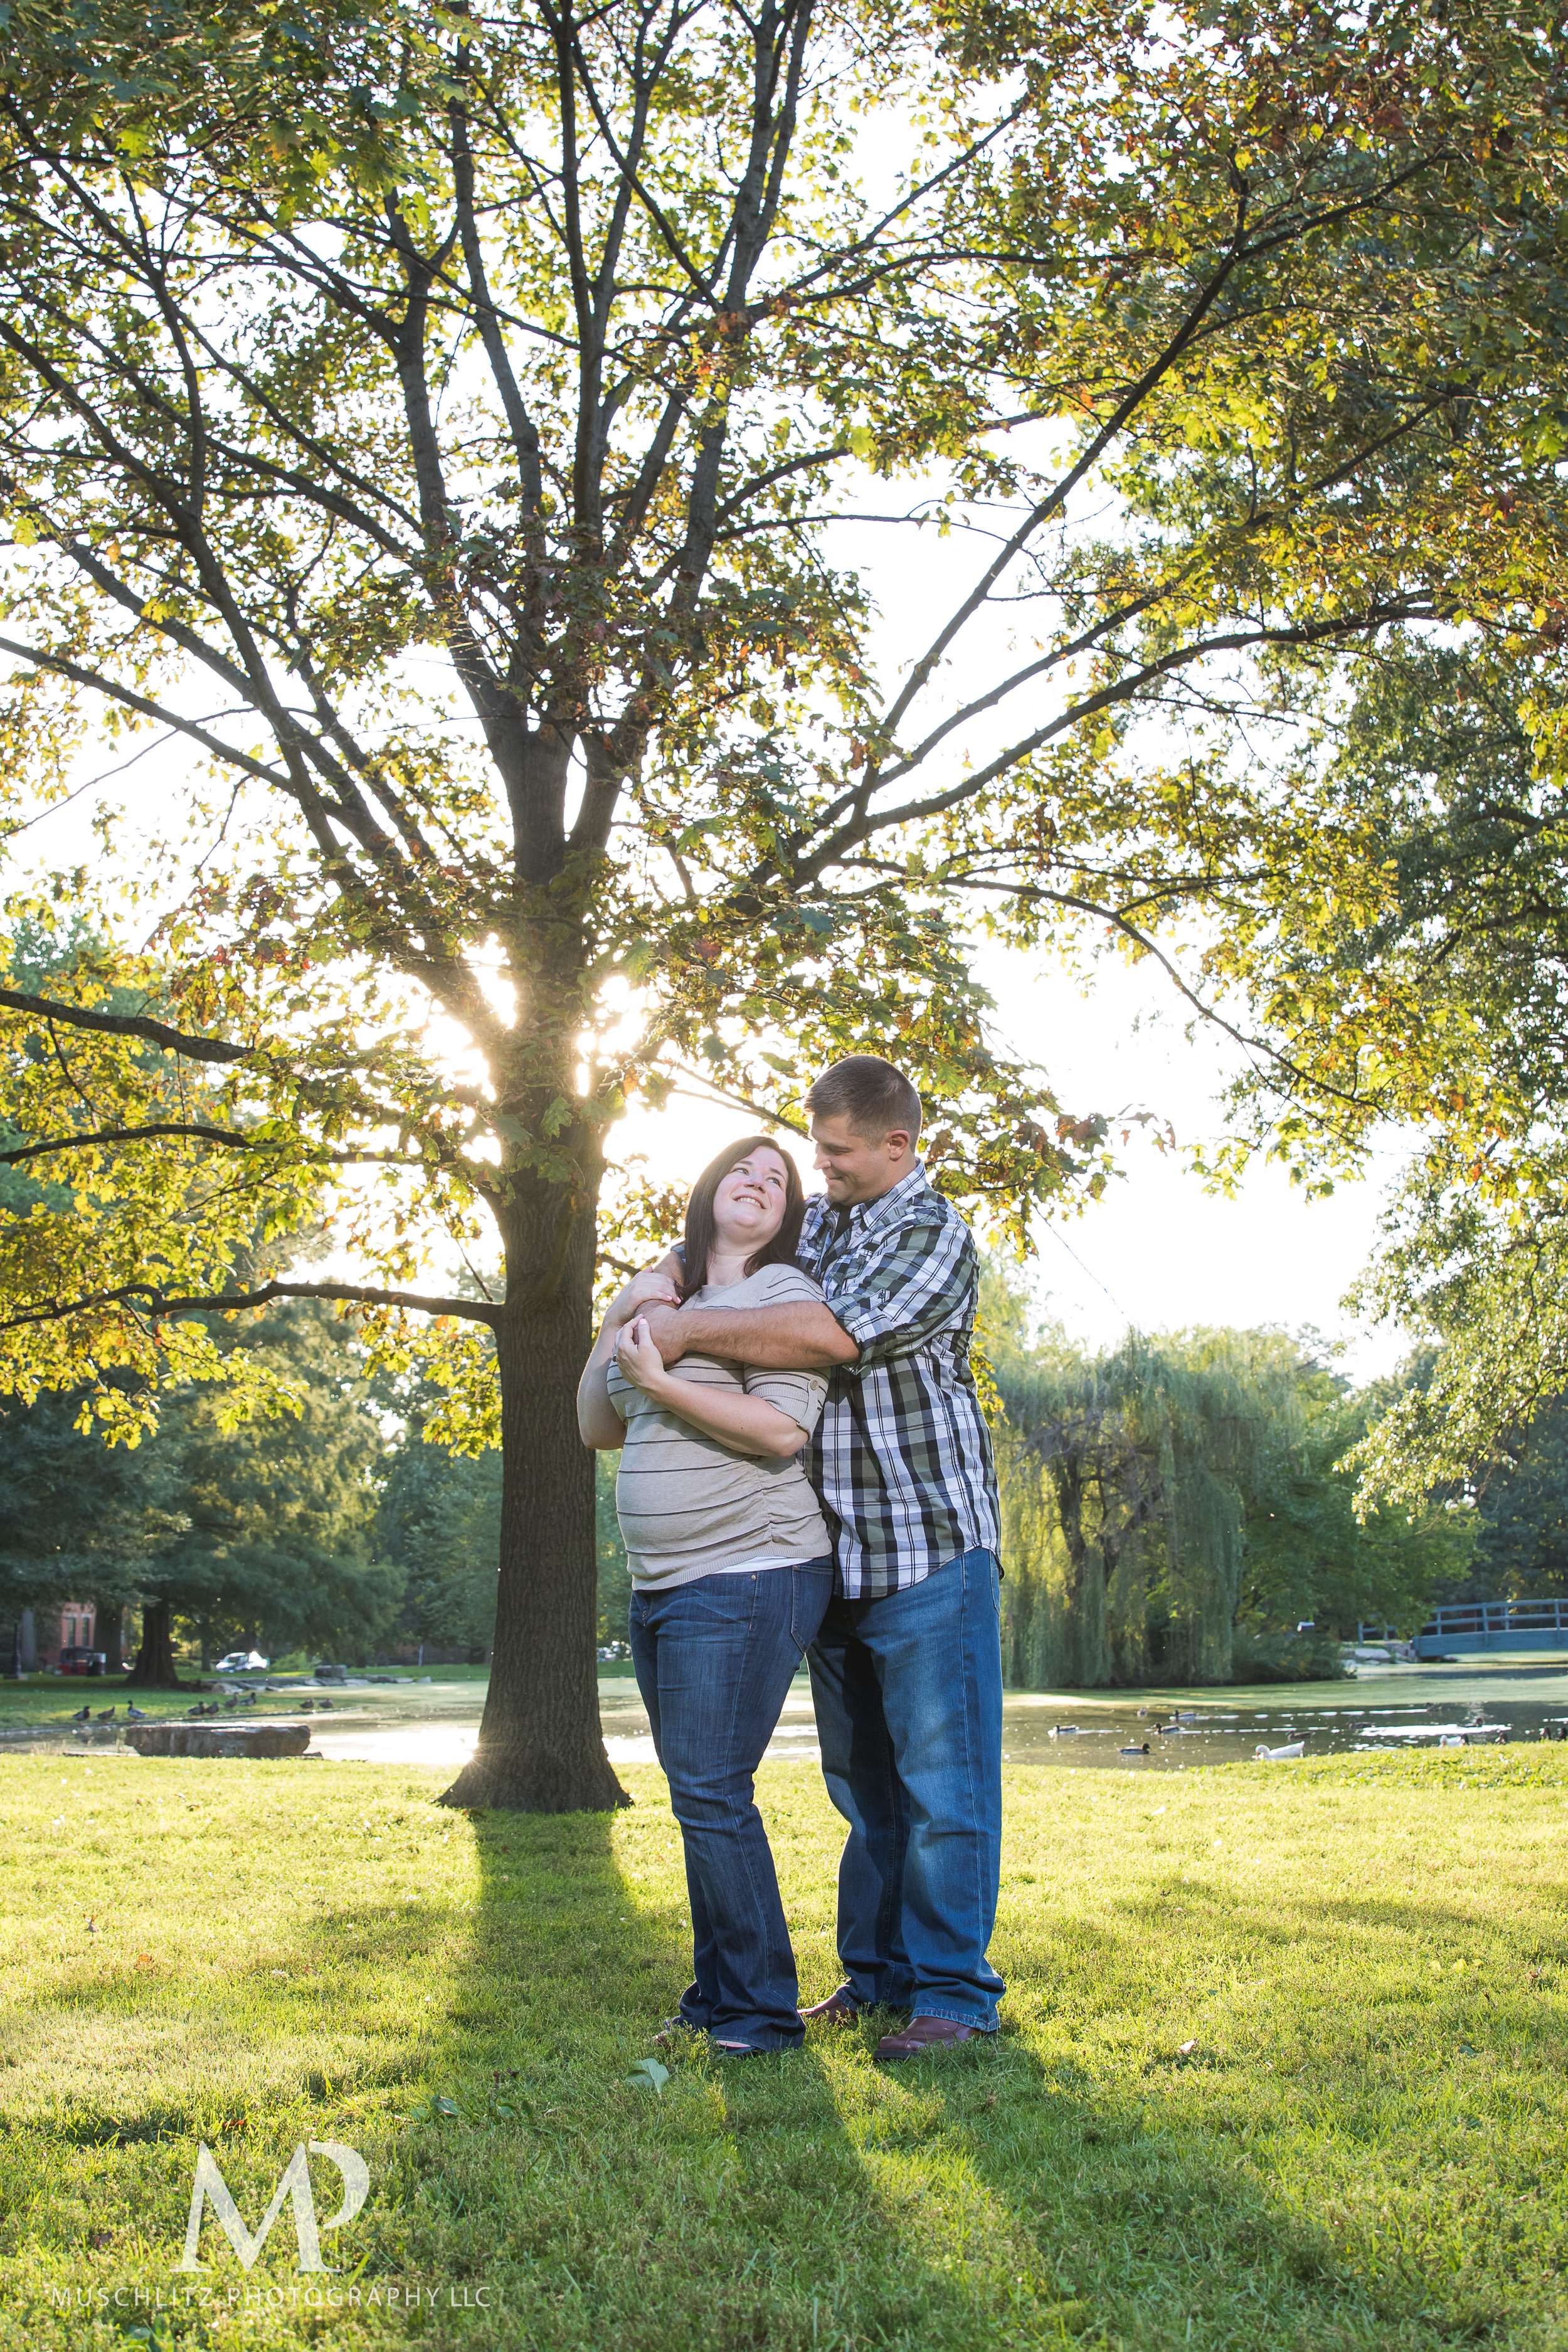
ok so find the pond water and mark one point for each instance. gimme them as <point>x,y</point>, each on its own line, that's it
<point>1404,1706</point>
<point>436,1723</point>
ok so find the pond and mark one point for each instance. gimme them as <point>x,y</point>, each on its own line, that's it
<point>435,1723</point>
<point>1401,1706</point>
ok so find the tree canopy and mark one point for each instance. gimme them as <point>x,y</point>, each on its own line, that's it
<point>1428,997</point>
<point>450,431</point>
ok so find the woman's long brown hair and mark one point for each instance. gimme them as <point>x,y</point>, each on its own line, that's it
<point>699,1243</point>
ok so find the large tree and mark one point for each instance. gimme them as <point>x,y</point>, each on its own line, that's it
<point>1425,994</point>
<point>444,424</point>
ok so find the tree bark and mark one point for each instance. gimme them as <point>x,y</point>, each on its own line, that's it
<point>108,1618</point>
<point>540,1749</point>
<point>154,1668</point>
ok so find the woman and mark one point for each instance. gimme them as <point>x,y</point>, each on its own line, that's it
<point>732,1570</point>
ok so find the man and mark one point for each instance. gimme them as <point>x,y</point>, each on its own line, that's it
<point>907,1670</point>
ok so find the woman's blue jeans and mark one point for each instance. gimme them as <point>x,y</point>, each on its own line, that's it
<point>714,1661</point>
<point>909,1710</point>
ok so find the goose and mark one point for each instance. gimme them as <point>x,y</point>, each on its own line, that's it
<point>1279,1755</point>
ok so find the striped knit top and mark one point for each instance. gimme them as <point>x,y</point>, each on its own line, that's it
<point>688,1504</point>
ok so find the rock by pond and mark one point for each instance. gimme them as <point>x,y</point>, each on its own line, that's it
<point>272,1738</point>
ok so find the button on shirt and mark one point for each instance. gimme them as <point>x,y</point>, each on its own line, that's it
<point>902,1456</point>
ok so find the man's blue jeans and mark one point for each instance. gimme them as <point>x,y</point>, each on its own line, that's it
<point>909,1711</point>
<point>714,1661</point>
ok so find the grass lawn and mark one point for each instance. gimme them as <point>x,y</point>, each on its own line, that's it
<point>1283,2068</point>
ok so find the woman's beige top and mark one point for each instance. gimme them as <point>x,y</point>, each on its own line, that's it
<point>688,1505</point>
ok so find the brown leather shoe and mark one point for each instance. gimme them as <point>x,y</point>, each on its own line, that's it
<point>836,2010</point>
<point>923,2033</point>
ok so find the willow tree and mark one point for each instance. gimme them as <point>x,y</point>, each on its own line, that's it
<point>1126,1479</point>
<point>442,425</point>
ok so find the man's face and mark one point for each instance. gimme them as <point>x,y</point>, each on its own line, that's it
<point>857,1166</point>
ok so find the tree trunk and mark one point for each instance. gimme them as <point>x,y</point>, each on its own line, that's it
<point>540,1747</point>
<point>108,1618</point>
<point>154,1666</point>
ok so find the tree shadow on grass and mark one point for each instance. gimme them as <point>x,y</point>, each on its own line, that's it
<point>1194,2194</point>
<point>991,2197</point>
<point>476,2050</point>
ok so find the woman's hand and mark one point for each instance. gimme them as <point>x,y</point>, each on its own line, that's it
<point>745,1424</point>
<point>640,1358</point>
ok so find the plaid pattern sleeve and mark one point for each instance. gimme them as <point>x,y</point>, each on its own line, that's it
<point>902,1290</point>
<point>901,1457</point>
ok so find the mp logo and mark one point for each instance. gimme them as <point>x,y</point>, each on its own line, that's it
<point>210,2184</point>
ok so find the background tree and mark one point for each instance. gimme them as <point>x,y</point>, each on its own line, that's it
<point>78,1519</point>
<point>1522,1518</point>
<point>1173,1509</point>
<point>1315,1553</point>
<point>279,1551</point>
<point>436,425</point>
<point>259,1535</point>
<point>1429,995</point>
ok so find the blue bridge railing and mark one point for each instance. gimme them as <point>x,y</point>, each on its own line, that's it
<point>1462,1626</point>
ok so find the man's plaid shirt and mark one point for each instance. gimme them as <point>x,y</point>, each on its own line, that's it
<point>902,1455</point>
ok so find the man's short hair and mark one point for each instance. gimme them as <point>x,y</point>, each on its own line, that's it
<point>870,1094</point>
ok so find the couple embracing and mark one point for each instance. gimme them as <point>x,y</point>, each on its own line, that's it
<point>804,1471</point>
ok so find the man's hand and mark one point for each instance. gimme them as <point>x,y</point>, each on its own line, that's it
<point>651,1287</point>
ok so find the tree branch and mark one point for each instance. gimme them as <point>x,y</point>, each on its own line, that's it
<point>127,1025</point>
<point>231,1137</point>
<point>156,1303</point>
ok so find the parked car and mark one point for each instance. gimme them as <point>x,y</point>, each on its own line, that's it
<point>241,1661</point>
<point>75,1660</point>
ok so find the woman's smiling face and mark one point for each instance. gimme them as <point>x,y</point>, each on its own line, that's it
<point>749,1206</point>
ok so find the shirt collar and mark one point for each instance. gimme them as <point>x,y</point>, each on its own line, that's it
<point>869,1216</point>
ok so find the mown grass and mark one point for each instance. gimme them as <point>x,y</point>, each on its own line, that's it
<point>1283,2068</point>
